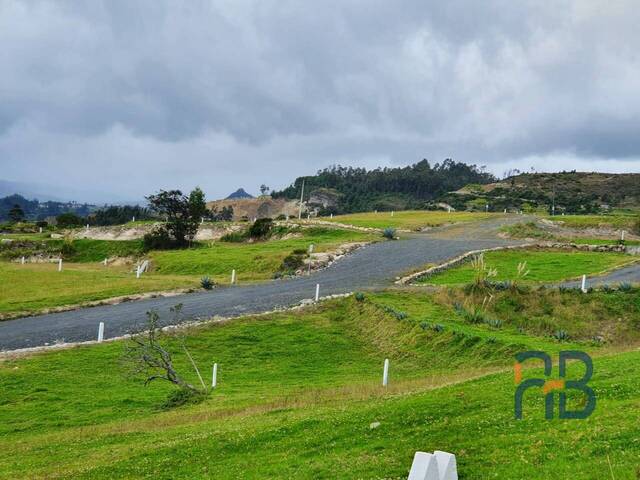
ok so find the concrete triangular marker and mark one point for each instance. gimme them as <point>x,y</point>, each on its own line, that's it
<point>424,467</point>
<point>447,467</point>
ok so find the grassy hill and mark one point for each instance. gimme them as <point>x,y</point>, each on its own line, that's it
<point>299,396</point>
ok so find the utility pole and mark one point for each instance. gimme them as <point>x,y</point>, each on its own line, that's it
<point>301,196</point>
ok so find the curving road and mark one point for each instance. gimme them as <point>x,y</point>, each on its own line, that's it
<point>373,266</point>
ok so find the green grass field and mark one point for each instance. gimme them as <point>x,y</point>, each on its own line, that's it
<point>408,219</point>
<point>543,266</point>
<point>252,261</point>
<point>32,287</point>
<point>298,392</point>
<point>588,221</point>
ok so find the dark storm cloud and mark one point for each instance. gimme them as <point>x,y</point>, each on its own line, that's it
<point>151,94</point>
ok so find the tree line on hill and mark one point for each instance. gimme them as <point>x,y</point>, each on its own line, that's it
<point>414,186</point>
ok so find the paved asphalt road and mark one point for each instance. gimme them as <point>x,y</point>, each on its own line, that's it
<point>373,266</point>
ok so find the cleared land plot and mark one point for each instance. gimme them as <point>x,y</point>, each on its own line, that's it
<point>252,261</point>
<point>543,266</point>
<point>593,221</point>
<point>298,393</point>
<point>408,219</point>
<point>33,287</point>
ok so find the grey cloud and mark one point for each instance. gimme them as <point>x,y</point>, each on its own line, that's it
<point>162,91</point>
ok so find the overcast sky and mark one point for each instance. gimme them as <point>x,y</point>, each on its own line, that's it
<point>132,96</point>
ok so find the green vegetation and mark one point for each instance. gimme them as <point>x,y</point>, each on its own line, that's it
<point>253,261</point>
<point>34,286</point>
<point>408,219</point>
<point>570,192</point>
<point>412,187</point>
<point>298,392</point>
<point>543,266</point>
<point>594,221</point>
<point>533,230</point>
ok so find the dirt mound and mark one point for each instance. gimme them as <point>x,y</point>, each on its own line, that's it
<point>261,207</point>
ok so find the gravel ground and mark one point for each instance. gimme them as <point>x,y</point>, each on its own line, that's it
<point>373,266</point>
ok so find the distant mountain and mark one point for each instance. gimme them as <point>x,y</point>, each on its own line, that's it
<point>56,193</point>
<point>240,193</point>
<point>36,210</point>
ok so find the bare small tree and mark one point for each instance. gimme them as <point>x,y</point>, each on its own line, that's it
<point>149,358</point>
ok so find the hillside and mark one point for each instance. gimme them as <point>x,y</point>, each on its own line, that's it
<point>261,207</point>
<point>571,192</point>
<point>346,189</point>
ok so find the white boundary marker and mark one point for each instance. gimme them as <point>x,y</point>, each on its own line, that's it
<point>433,466</point>
<point>100,332</point>
<point>317,292</point>
<point>214,376</point>
<point>385,373</point>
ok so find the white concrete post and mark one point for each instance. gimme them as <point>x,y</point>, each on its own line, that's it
<point>447,468</point>
<point>622,235</point>
<point>487,207</point>
<point>317,292</point>
<point>59,264</point>
<point>311,248</point>
<point>40,229</point>
<point>101,332</point>
<point>331,215</point>
<point>133,219</point>
<point>424,467</point>
<point>138,271</point>
<point>448,209</point>
<point>308,216</point>
<point>201,220</point>
<point>505,210</point>
<point>392,212</point>
<point>584,284</point>
<point>214,376</point>
<point>385,373</point>
<point>22,260</point>
<point>105,262</point>
<point>87,227</point>
<point>233,276</point>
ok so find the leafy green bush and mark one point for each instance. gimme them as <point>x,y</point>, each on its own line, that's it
<point>291,263</point>
<point>183,396</point>
<point>234,237</point>
<point>158,239</point>
<point>359,296</point>
<point>69,220</point>
<point>261,228</point>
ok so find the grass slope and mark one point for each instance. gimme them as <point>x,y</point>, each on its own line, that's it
<point>543,266</point>
<point>297,394</point>
<point>408,219</point>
